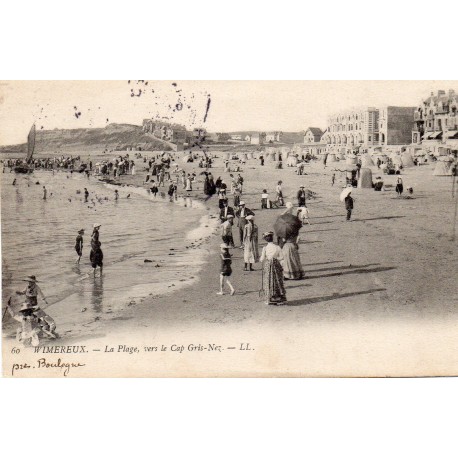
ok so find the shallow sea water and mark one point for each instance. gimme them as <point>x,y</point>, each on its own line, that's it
<point>38,238</point>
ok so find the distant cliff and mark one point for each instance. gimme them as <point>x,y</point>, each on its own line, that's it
<point>112,137</point>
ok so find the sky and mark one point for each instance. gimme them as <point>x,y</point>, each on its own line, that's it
<point>218,106</point>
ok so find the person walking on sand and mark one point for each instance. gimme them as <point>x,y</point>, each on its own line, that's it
<point>273,285</point>
<point>250,243</point>
<point>226,270</point>
<point>264,200</point>
<point>399,187</point>
<point>154,189</point>
<point>116,194</point>
<point>280,201</point>
<point>301,195</point>
<point>96,257</point>
<point>349,205</point>
<point>242,214</point>
<point>226,211</point>
<point>86,194</point>
<point>333,179</point>
<point>45,192</point>
<point>188,183</point>
<point>79,245</point>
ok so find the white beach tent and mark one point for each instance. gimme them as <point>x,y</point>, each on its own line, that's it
<point>406,159</point>
<point>365,178</point>
<point>443,167</point>
<point>366,160</point>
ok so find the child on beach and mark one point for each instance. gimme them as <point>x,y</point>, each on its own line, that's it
<point>264,199</point>
<point>226,269</point>
<point>154,189</point>
<point>79,244</point>
<point>303,214</point>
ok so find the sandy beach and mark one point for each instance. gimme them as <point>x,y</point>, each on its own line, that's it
<point>374,284</point>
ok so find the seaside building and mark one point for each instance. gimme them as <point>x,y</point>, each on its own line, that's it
<point>436,121</point>
<point>258,138</point>
<point>313,135</point>
<point>164,131</point>
<point>369,127</point>
<point>394,125</point>
<point>273,137</point>
<point>312,141</point>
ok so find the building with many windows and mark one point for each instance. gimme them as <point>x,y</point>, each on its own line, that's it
<point>436,119</point>
<point>369,127</point>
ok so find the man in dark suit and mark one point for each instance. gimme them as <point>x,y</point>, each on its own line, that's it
<point>241,214</point>
<point>226,210</point>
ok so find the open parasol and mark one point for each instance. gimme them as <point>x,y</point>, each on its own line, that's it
<point>345,193</point>
<point>287,226</point>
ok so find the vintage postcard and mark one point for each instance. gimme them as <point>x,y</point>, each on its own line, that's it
<point>229,228</point>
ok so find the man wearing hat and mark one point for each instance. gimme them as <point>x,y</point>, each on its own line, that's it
<point>301,195</point>
<point>79,244</point>
<point>226,211</point>
<point>241,214</point>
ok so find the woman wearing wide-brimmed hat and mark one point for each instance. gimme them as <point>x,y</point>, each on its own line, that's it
<point>273,286</point>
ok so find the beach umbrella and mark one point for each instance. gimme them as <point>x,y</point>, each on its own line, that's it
<point>287,226</point>
<point>345,193</point>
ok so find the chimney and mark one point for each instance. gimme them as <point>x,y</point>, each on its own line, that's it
<point>440,92</point>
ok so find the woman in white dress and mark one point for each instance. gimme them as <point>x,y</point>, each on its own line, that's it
<point>250,243</point>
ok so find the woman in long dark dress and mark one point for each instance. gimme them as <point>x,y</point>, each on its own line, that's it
<point>287,228</point>
<point>272,272</point>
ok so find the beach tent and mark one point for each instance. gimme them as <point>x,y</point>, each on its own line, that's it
<point>396,159</point>
<point>366,160</point>
<point>226,156</point>
<point>249,155</point>
<point>365,178</point>
<point>350,160</point>
<point>406,159</point>
<point>291,161</point>
<point>443,167</point>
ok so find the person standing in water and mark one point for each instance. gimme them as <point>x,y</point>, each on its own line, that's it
<point>96,257</point>
<point>95,235</point>
<point>226,269</point>
<point>79,244</point>
<point>45,192</point>
<point>116,194</point>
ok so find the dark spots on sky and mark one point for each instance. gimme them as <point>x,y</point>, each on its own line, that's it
<point>208,107</point>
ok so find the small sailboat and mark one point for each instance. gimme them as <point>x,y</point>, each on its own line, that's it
<point>25,167</point>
